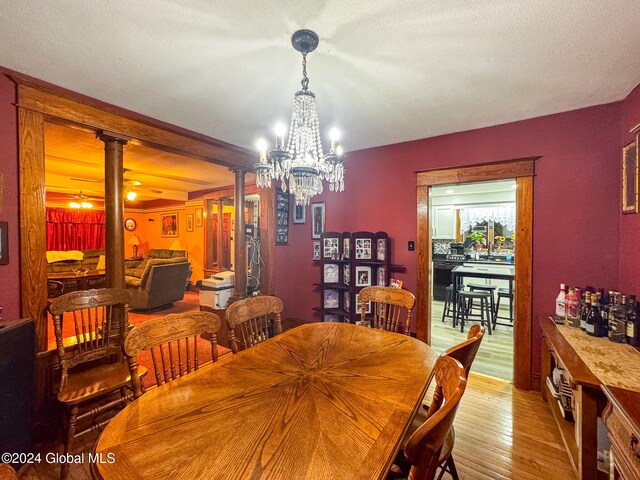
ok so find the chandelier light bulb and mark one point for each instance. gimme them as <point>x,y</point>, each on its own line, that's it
<point>280,132</point>
<point>131,195</point>
<point>339,150</point>
<point>86,205</point>
<point>262,149</point>
<point>334,135</point>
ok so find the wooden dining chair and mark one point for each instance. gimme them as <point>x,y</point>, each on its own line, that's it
<point>391,308</point>
<point>429,447</point>
<point>91,363</point>
<point>253,320</point>
<point>466,351</point>
<point>173,344</point>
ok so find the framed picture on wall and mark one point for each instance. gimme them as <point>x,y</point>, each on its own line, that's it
<point>317,219</point>
<point>363,276</point>
<point>198,217</point>
<point>299,214</point>
<point>4,243</point>
<point>630,178</point>
<point>169,225</point>
<point>189,222</point>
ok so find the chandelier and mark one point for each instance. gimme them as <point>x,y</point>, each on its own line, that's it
<point>301,162</point>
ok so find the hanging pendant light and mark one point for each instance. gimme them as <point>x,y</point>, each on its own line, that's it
<point>301,165</point>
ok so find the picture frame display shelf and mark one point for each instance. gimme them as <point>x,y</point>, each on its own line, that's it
<point>349,262</point>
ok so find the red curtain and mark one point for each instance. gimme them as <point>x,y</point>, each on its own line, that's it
<point>70,229</point>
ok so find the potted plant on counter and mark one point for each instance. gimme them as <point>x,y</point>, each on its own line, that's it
<point>477,237</point>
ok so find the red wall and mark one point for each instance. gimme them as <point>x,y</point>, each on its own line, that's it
<point>9,274</point>
<point>629,224</point>
<point>576,197</point>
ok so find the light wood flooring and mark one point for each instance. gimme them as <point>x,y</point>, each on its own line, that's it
<point>495,356</point>
<point>501,433</point>
<point>506,433</point>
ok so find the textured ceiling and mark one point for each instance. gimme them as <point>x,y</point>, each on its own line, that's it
<point>385,71</point>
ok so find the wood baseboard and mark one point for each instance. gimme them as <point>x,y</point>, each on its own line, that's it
<point>536,382</point>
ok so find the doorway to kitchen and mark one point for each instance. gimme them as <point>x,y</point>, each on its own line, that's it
<point>473,247</point>
<point>522,169</point>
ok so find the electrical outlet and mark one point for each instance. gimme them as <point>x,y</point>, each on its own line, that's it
<point>412,245</point>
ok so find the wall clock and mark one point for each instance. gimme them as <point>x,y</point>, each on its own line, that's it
<point>130,224</point>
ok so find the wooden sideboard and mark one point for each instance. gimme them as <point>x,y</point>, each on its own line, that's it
<point>580,357</point>
<point>622,417</point>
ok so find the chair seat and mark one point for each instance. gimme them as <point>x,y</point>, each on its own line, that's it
<point>87,384</point>
<point>482,286</point>
<point>504,292</point>
<point>476,294</point>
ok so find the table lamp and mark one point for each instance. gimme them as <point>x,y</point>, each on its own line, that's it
<point>135,241</point>
<point>178,244</point>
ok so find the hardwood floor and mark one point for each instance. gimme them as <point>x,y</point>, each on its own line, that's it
<point>495,356</point>
<point>505,433</point>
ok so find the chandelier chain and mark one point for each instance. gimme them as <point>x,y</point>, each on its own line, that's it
<point>305,79</point>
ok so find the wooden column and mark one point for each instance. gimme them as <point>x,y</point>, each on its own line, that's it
<point>33,228</point>
<point>114,207</point>
<point>220,239</point>
<point>240,249</point>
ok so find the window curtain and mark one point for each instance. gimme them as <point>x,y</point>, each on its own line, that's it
<point>70,229</point>
<point>504,215</point>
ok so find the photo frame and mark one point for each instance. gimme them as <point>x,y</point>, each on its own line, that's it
<point>169,225</point>
<point>630,178</point>
<point>346,301</point>
<point>363,276</point>
<point>317,219</point>
<point>317,250</point>
<point>282,217</point>
<point>381,249</point>
<point>299,214</point>
<point>198,217</point>
<point>330,248</point>
<point>363,249</point>
<point>189,222</point>
<point>331,318</point>
<point>395,283</point>
<point>346,274</point>
<point>4,243</point>
<point>346,241</point>
<point>331,273</point>
<point>331,299</point>
<point>382,277</point>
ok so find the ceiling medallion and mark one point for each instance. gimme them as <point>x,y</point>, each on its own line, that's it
<point>301,162</point>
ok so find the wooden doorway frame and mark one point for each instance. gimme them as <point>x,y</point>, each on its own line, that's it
<point>523,171</point>
<point>38,104</point>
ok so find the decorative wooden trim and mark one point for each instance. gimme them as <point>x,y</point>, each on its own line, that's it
<point>423,300</point>
<point>521,167</point>
<point>523,170</point>
<point>33,228</point>
<point>523,283</point>
<point>68,111</point>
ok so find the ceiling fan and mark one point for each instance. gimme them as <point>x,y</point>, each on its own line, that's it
<point>136,185</point>
<point>82,197</point>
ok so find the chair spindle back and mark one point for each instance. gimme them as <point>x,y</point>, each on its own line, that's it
<point>172,342</point>
<point>253,320</point>
<point>99,320</point>
<point>391,308</point>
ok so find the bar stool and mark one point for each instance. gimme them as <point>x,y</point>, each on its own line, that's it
<point>504,293</point>
<point>464,312</point>
<point>448,304</point>
<point>474,287</point>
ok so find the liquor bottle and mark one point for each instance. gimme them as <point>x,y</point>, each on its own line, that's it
<point>604,310</point>
<point>633,322</point>
<point>560,308</point>
<point>595,327</point>
<point>585,311</point>
<point>617,321</point>
<point>572,309</point>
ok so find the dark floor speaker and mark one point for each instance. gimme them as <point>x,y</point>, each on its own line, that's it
<point>17,355</point>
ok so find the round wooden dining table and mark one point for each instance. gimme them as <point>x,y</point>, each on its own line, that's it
<point>324,400</point>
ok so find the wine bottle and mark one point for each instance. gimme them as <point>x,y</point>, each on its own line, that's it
<point>571,309</point>
<point>633,322</point>
<point>595,326</point>
<point>617,321</point>
<point>585,311</point>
